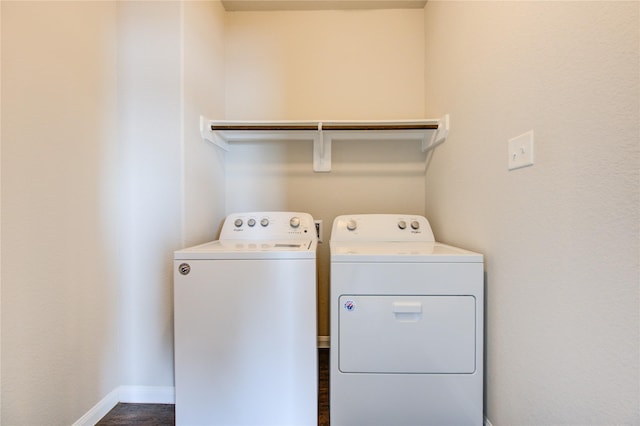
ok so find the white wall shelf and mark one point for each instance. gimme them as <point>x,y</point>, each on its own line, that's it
<point>430,133</point>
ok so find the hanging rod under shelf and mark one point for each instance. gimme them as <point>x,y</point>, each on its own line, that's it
<point>322,126</point>
<point>365,127</point>
<point>261,127</point>
<point>430,133</point>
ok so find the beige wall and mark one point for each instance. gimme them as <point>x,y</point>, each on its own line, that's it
<point>60,295</point>
<point>149,108</point>
<point>561,237</point>
<point>104,174</point>
<point>325,65</point>
<point>204,94</point>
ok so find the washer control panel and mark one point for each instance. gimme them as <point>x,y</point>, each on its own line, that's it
<point>268,225</point>
<point>381,227</point>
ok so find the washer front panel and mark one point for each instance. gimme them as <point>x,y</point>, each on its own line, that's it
<point>245,343</point>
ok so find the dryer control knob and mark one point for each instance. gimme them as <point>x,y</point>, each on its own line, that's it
<point>294,222</point>
<point>264,221</point>
<point>238,223</point>
<point>251,222</point>
<point>402,224</point>
<point>415,224</point>
<point>352,225</point>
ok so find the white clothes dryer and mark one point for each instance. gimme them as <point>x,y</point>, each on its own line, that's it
<point>245,324</point>
<point>406,325</point>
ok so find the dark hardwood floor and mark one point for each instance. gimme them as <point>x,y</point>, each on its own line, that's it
<point>140,414</point>
<point>164,414</point>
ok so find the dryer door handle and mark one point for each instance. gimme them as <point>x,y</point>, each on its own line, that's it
<point>407,311</point>
<point>407,308</point>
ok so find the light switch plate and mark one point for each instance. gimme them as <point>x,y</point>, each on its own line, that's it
<point>521,151</point>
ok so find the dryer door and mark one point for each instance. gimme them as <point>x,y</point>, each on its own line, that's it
<point>407,334</point>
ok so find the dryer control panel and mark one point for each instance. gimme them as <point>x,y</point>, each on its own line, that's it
<point>381,227</point>
<point>268,226</point>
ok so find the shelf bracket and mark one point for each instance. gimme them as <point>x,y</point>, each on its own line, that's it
<point>209,135</point>
<point>439,136</point>
<point>321,151</point>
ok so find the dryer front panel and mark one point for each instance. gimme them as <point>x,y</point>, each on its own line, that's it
<point>413,334</point>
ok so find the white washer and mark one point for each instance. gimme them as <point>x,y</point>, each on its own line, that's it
<point>245,324</point>
<point>406,325</point>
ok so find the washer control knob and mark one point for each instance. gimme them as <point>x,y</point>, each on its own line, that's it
<point>402,224</point>
<point>352,225</point>
<point>294,222</point>
<point>264,221</point>
<point>238,223</point>
<point>251,222</point>
<point>415,224</point>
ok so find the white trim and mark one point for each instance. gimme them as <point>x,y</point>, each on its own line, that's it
<point>148,394</point>
<point>99,410</point>
<point>324,342</point>
<point>487,422</point>
<point>130,394</point>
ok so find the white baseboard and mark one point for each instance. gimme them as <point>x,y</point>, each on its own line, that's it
<point>324,342</point>
<point>131,394</point>
<point>99,410</point>
<point>487,422</point>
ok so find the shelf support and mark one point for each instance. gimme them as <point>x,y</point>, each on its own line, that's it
<point>209,135</point>
<point>321,151</point>
<point>439,136</point>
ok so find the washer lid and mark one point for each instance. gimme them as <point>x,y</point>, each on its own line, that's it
<point>400,252</point>
<point>244,249</point>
